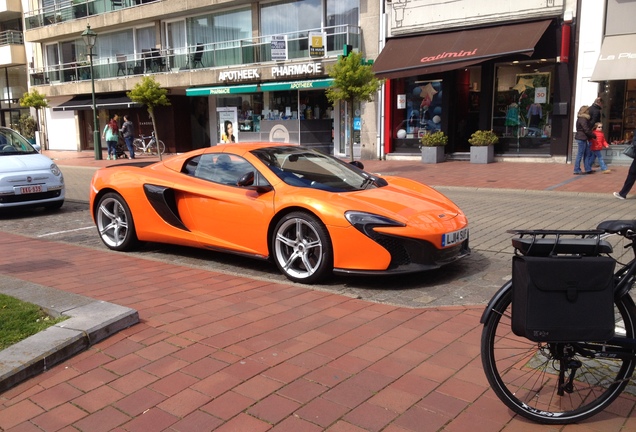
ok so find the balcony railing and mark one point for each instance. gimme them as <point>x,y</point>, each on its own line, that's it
<point>220,54</point>
<point>11,37</point>
<point>76,9</point>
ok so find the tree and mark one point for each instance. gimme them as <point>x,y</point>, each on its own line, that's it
<point>149,93</point>
<point>354,81</point>
<point>35,99</point>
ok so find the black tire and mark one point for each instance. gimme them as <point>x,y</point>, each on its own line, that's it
<point>55,206</point>
<point>115,223</point>
<point>523,374</point>
<point>302,249</point>
<point>152,148</point>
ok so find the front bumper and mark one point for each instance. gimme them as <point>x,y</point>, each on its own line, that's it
<point>411,255</point>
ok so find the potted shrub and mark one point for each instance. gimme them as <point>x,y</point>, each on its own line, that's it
<point>432,146</point>
<point>26,127</point>
<point>482,146</point>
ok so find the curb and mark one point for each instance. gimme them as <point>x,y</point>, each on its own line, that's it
<point>90,321</point>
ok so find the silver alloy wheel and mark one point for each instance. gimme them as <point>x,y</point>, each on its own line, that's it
<point>298,248</point>
<point>112,222</point>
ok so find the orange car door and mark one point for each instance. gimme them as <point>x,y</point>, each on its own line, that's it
<point>227,216</point>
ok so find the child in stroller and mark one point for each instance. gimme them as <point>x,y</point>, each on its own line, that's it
<point>119,150</point>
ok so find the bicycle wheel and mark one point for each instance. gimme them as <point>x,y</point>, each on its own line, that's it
<point>139,145</point>
<point>525,374</point>
<point>152,147</point>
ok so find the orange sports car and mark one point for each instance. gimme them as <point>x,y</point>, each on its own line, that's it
<point>310,213</point>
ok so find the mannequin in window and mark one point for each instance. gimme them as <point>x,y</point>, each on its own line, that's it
<point>535,115</point>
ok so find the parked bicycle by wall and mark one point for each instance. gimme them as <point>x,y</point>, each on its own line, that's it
<point>150,147</point>
<point>559,339</point>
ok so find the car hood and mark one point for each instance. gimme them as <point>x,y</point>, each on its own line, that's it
<point>27,162</point>
<point>402,200</point>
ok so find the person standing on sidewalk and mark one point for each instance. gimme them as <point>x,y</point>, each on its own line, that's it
<point>128,132</point>
<point>111,135</point>
<point>595,110</point>
<point>582,136</point>
<point>596,147</point>
<point>631,177</point>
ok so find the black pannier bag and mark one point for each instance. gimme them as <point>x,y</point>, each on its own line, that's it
<point>563,299</point>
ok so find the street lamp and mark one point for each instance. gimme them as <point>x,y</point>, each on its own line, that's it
<point>90,37</point>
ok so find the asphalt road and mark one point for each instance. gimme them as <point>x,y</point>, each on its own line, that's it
<point>473,280</point>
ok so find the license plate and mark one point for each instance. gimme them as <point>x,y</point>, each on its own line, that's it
<point>449,239</point>
<point>22,190</point>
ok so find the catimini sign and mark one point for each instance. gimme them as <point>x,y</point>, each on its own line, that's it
<point>451,54</point>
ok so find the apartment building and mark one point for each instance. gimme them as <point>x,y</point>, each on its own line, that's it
<point>262,66</point>
<point>13,63</point>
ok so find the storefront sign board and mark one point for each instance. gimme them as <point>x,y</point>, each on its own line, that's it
<point>279,47</point>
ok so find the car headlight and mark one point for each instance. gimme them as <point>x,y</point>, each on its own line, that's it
<point>55,170</point>
<point>365,222</point>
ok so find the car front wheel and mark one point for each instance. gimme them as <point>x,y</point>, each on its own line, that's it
<point>302,248</point>
<point>115,223</point>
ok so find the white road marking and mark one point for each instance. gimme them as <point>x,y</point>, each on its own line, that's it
<point>67,231</point>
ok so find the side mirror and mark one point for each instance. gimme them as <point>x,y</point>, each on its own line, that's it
<point>247,181</point>
<point>357,164</point>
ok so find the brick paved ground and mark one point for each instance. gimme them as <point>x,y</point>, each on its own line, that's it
<point>218,352</point>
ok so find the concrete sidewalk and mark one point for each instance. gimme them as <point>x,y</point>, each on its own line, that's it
<point>220,352</point>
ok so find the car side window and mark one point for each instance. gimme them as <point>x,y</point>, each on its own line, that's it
<point>222,168</point>
<point>190,166</point>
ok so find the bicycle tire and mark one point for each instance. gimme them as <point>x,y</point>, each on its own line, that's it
<point>139,145</point>
<point>152,147</point>
<point>523,374</point>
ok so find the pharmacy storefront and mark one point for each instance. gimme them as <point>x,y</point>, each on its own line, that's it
<point>281,103</point>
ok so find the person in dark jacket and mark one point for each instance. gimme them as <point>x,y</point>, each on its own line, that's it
<point>595,111</point>
<point>631,177</point>
<point>583,135</point>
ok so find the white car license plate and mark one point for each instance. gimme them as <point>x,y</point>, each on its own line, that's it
<point>452,238</point>
<point>22,190</point>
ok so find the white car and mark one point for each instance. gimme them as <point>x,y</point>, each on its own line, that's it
<point>27,178</point>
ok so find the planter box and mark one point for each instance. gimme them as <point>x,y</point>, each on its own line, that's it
<point>482,154</point>
<point>432,155</point>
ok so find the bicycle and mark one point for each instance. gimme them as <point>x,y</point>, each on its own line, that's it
<point>563,381</point>
<point>150,147</point>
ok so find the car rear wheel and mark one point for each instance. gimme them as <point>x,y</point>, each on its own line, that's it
<point>115,223</point>
<point>302,248</point>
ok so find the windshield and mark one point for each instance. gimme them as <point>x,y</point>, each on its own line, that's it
<point>303,167</point>
<point>12,143</point>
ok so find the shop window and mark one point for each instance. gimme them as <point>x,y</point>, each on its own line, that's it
<point>621,123</point>
<point>522,114</point>
<point>419,111</point>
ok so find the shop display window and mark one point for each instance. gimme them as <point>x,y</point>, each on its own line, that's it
<point>621,122</point>
<point>523,107</point>
<point>419,111</point>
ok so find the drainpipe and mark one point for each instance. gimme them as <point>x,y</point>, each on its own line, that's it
<point>379,145</point>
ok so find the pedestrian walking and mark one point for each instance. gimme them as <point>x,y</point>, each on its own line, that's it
<point>128,132</point>
<point>631,177</point>
<point>111,135</point>
<point>595,110</point>
<point>596,148</point>
<point>583,136</point>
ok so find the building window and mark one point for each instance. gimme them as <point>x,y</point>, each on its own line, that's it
<point>522,113</point>
<point>219,35</point>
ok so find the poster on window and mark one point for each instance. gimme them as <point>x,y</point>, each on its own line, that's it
<point>317,47</point>
<point>279,47</point>
<point>227,125</point>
